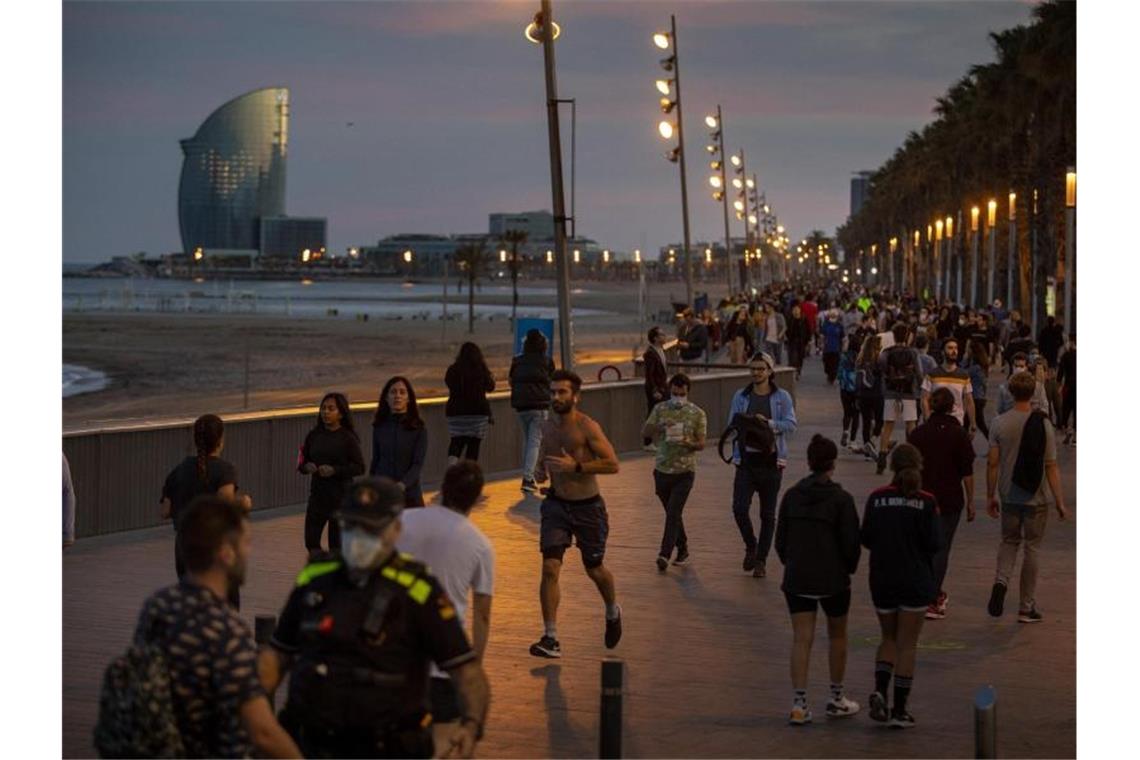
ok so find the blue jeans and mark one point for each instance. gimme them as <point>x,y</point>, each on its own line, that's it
<point>531,421</point>
<point>773,348</point>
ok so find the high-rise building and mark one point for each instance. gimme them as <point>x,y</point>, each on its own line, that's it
<point>288,237</point>
<point>860,186</point>
<point>233,172</point>
<point>538,225</point>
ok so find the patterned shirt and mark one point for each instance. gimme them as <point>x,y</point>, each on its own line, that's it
<point>683,420</point>
<point>213,666</point>
<point>957,381</point>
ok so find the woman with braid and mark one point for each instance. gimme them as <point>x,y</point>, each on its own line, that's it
<point>331,454</point>
<point>204,473</point>
<point>901,531</point>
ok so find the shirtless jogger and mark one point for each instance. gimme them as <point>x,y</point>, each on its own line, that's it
<point>574,450</point>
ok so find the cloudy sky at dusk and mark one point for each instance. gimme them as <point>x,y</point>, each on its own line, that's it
<point>447,111</point>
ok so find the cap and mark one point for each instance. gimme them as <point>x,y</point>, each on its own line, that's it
<point>760,356</point>
<point>373,503</point>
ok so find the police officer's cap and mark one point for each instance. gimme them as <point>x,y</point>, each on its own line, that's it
<point>373,503</point>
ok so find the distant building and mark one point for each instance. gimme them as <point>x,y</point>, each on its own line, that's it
<point>860,187</point>
<point>288,237</point>
<point>538,225</point>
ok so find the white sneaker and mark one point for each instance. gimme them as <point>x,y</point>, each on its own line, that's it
<point>799,715</point>
<point>841,708</point>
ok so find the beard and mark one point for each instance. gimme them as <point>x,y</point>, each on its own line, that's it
<point>562,407</point>
<point>235,576</point>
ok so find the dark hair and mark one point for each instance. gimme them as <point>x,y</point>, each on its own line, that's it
<point>681,380</point>
<point>207,433</point>
<point>208,522</point>
<point>979,355</point>
<point>653,333</point>
<point>900,330</point>
<point>470,368</point>
<point>565,375</point>
<point>1020,356</point>
<point>921,341</point>
<point>948,341</point>
<point>462,485</point>
<point>1022,386</point>
<point>906,464</point>
<point>341,402</point>
<point>942,401</point>
<point>1024,331</point>
<point>412,419</point>
<point>534,342</point>
<point>821,453</point>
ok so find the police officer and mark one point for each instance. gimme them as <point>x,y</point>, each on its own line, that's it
<point>358,632</point>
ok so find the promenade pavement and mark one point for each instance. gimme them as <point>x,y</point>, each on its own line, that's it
<point>705,647</point>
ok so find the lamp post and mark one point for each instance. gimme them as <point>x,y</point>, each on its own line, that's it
<point>991,225</point>
<point>953,263</point>
<point>740,205</point>
<point>543,31</point>
<point>719,182</point>
<point>974,214</point>
<point>1010,254</point>
<point>672,64</point>
<point>1070,230</point>
<point>938,259</point>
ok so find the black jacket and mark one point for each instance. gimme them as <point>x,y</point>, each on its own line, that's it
<point>656,377</point>
<point>902,535</point>
<point>530,381</point>
<point>398,453</point>
<point>817,538</point>
<point>697,336</point>
<point>465,397</point>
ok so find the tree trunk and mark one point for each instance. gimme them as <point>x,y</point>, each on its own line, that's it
<point>471,300</point>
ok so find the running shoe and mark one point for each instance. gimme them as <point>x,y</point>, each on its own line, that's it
<point>937,608</point>
<point>799,716</point>
<point>842,707</point>
<point>843,440</point>
<point>878,707</point>
<point>613,631</point>
<point>682,559</point>
<point>760,571</point>
<point>749,560</point>
<point>662,563</point>
<point>997,600</point>
<point>547,646</point>
<point>529,486</point>
<point>1031,616</point>
<point>881,464</point>
<point>901,719</point>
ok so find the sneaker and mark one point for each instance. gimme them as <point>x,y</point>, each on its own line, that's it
<point>613,631</point>
<point>650,448</point>
<point>933,613</point>
<point>842,707</point>
<point>942,600</point>
<point>547,646</point>
<point>854,447</point>
<point>760,571</point>
<point>901,719</point>
<point>682,559</point>
<point>1031,616</point>
<point>843,440</point>
<point>662,563</point>
<point>881,464</point>
<point>529,486</point>
<point>997,600</point>
<point>869,450</point>
<point>799,715</point>
<point>878,707</point>
<point>749,560</point>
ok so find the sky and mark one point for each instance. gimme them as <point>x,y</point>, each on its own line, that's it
<point>447,108</point>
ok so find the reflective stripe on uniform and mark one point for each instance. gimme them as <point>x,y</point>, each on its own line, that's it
<point>420,591</point>
<point>316,570</point>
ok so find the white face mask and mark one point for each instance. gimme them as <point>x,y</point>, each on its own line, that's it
<point>360,548</point>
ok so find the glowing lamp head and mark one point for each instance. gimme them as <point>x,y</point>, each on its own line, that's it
<point>711,122</point>
<point>663,86</point>
<point>661,40</point>
<point>665,129</point>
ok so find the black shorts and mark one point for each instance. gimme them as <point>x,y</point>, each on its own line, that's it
<point>895,600</point>
<point>444,701</point>
<point>583,520</point>
<point>833,606</point>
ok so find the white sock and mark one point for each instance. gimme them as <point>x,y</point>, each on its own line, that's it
<point>613,611</point>
<point>551,629</point>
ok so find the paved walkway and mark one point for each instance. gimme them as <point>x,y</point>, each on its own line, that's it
<point>706,647</point>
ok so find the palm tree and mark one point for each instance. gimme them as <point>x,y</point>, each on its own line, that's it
<point>514,238</point>
<point>471,258</point>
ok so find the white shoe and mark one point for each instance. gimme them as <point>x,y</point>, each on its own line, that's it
<point>799,716</point>
<point>841,708</point>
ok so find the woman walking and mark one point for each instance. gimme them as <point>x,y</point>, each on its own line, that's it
<point>331,455</point>
<point>204,473</point>
<point>848,398</point>
<point>530,395</point>
<point>902,534</point>
<point>399,439</point>
<point>468,412</point>
<point>798,336</point>
<point>738,337</point>
<point>817,539</point>
<point>979,371</point>
<point>869,391</point>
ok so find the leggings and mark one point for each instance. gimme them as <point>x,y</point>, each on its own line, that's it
<point>872,411</point>
<point>317,515</point>
<point>1068,407</point>
<point>980,413</point>
<point>461,442</point>
<point>850,412</point>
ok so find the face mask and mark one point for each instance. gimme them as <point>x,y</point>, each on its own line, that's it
<point>678,400</point>
<point>360,548</point>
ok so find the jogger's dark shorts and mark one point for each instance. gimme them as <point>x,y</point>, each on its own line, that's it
<point>583,521</point>
<point>833,606</point>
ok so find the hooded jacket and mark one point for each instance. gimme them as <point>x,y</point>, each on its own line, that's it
<point>817,538</point>
<point>783,421</point>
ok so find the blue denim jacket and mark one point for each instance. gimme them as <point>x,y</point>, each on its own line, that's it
<point>783,421</point>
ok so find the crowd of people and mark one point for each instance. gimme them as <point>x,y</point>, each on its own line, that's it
<point>373,643</point>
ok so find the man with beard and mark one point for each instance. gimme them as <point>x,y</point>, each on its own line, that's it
<point>952,377</point>
<point>574,451</point>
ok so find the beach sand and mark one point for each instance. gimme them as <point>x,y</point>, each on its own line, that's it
<point>175,366</point>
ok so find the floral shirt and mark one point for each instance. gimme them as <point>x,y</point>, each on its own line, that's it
<point>683,421</point>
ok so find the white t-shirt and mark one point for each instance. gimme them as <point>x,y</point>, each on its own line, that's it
<point>455,551</point>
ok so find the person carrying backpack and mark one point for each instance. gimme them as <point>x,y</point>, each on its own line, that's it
<point>901,371</point>
<point>869,392</point>
<point>847,397</point>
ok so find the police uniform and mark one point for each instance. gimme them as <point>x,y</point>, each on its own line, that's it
<point>361,649</point>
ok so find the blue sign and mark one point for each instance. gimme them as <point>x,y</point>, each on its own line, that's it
<point>523,325</point>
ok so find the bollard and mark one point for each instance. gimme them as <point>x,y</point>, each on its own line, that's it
<point>263,627</point>
<point>985,722</point>
<point>609,733</point>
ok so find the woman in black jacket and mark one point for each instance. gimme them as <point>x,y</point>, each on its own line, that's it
<point>530,398</point>
<point>902,534</point>
<point>817,539</point>
<point>331,455</point>
<point>468,412</point>
<point>399,439</point>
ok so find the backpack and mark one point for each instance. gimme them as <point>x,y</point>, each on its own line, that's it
<point>136,707</point>
<point>899,377</point>
<point>748,432</point>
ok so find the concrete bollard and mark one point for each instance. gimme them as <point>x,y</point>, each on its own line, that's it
<point>985,722</point>
<point>609,727</point>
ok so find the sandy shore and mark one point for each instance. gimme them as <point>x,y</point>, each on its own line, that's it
<point>164,365</point>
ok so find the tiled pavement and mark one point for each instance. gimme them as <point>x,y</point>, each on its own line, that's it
<point>705,647</point>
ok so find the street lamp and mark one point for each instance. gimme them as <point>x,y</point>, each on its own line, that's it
<point>991,224</point>
<point>1070,243</point>
<point>1010,254</point>
<point>716,135</point>
<point>672,88</point>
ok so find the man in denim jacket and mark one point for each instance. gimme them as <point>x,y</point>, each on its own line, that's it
<point>756,471</point>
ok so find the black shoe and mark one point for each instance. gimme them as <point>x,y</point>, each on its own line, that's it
<point>662,563</point>
<point>682,559</point>
<point>749,560</point>
<point>529,486</point>
<point>613,631</point>
<point>901,719</point>
<point>878,707</point>
<point>1032,616</point>
<point>547,646</point>
<point>881,464</point>
<point>760,571</point>
<point>997,600</point>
